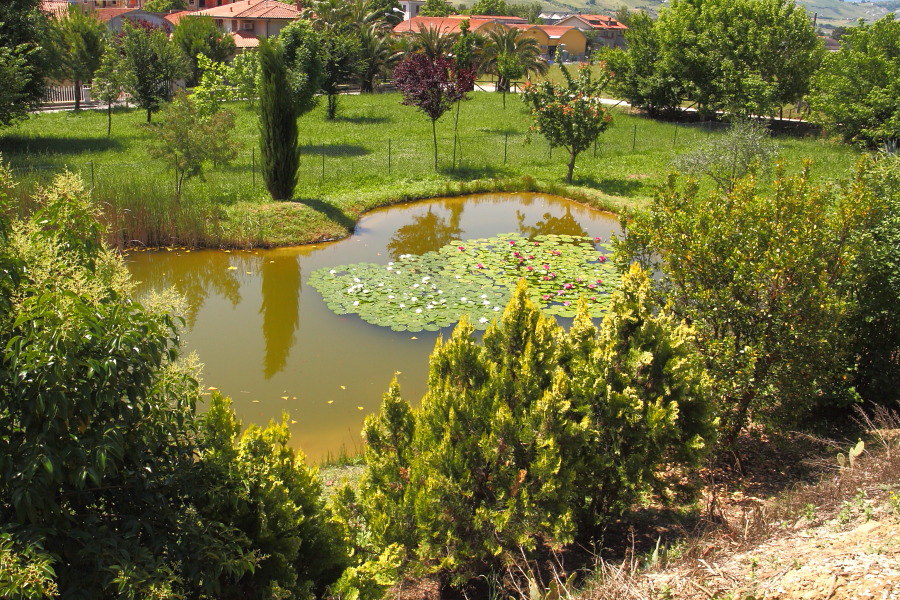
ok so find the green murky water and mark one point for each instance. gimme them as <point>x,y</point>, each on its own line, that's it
<point>268,341</point>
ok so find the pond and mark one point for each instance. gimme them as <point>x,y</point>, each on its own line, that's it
<point>268,341</point>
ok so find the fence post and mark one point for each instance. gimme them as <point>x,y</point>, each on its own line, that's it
<point>634,138</point>
<point>389,156</point>
<point>505,145</point>
<point>460,151</point>
<point>253,165</point>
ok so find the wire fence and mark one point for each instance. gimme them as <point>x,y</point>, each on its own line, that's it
<point>492,153</point>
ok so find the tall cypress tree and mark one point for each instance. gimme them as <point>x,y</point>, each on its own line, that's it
<point>278,113</point>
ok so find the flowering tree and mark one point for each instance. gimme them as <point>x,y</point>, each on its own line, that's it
<point>432,84</point>
<point>569,115</point>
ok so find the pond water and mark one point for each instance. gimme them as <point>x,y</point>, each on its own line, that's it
<point>268,341</point>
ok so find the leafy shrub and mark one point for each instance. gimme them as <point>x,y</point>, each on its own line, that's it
<point>765,280</point>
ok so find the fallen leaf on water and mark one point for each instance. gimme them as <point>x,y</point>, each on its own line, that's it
<point>284,397</point>
<point>359,407</point>
<point>212,389</point>
<point>294,398</point>
<point>343,387</point>
<point>413,338</point>
<point>248,272</point>
<point>255,401</point>
<point>232,268</point>
<point>293,422</point>
<point>331,402</point>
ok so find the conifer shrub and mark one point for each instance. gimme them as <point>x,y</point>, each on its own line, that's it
<point>530,439</point>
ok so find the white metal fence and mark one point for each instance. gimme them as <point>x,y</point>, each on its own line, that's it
<point>65,94</point>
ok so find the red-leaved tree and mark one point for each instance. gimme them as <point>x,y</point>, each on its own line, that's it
<point>432,85</point>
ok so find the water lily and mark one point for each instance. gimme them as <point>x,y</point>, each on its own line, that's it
<point>597,239</point>
<point>460,248</point>
<point>332,271</point>
<point>483,320</point>
<point>356,303</point>
<point>546,266</point>
<point>545,297</point>
<point>496,308</point>
<point>602,258</point>
<point>529,268</point>
<point>418,310</point>
<point>568,286</point>
<point>566,303</point>
<point>402,305</point>
<point>592,285</point>
<point>479,266</point>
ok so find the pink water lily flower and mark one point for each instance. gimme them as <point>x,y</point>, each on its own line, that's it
<point>479,266</point>
<point>460,248</point>
<point>602,258</point>
<point>592,285</point>
<point>596,239</point>
<point>545,297</point>
<point>546,266</point>
<point>566,303</point>
<point>529,268</point>
<point>568,286</point>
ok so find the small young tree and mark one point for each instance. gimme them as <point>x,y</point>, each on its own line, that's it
<point>214,88</point>
<point>278,115</point>
<point>109,81</point>
<point>190,137</point>
<point>508,70</point>
<point>569,115</point>
<point>80,39</point>
<point>730,157</point>
<point>165,5</point>
<point>152,64</point>
<point>243,73</point>
<point>341,63</point>
<point>13,87</point>
<point>432,85</point>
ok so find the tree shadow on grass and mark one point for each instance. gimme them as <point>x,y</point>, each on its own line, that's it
<point>467,172</point>
<point>342,150</point>
<point>329,211</point>
<point>53,145</point>
<point>365,120</point>
<point>613,186</point>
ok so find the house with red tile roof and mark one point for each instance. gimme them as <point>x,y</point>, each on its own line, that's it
<point>549,37</point>
<point>603,30</point>
<point>249,20</point>
<point>115,18</point>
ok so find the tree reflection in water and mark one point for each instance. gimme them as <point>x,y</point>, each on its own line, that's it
<point>280,308</point>
<point>427,232</point>
<point>564,225</point>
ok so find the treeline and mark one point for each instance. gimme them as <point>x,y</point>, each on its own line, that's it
<point>755,57</point>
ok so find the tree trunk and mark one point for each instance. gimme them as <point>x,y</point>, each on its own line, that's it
<point>573,155</point>
<point>109,119</point>
<point>149,115</point>
<point>434,139</point>
<point>77,95</point>
<point>331,112</point>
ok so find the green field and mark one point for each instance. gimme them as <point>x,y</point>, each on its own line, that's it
<point>377,152</point>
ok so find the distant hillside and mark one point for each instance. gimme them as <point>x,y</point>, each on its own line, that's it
<point>831,13</point>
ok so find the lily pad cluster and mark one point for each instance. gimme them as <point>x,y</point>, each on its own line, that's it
<point>474,278</point>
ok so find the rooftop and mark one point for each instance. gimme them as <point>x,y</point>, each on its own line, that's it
<point>252,9</point>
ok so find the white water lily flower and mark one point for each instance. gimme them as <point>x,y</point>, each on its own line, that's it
<point>415,285</point>
<point>356,279</point>
<point>332,271</point>
<point>390,264</point>
<point>486,302</point>
<point>390,296</point>
<point>356,303</point>
<point>484,295</point>
<point>496,308</point>
<point>483,320</point>
<point>402,305</point>
<point>463,299</point>
<point>413,299</point>
<point>365,291</point>
<point>418,310</point>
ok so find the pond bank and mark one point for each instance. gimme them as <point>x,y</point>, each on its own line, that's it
<point>250,225</point>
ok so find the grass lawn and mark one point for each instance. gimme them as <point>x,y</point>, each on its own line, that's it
<point>377,152</point>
